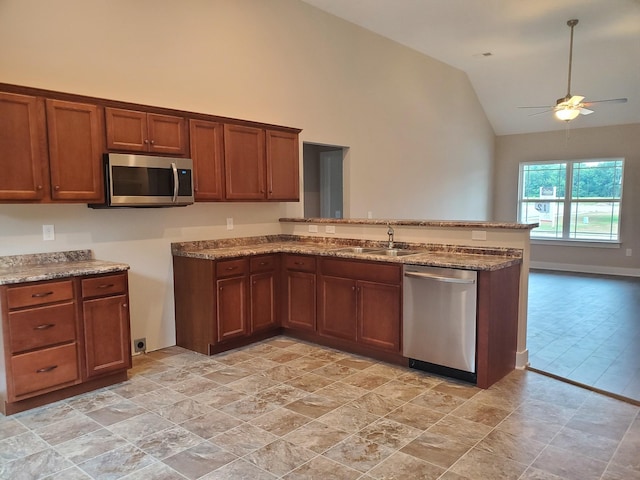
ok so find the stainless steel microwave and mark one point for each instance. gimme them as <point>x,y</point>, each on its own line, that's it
<point>147,181</point>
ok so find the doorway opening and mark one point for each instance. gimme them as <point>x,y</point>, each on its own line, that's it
<point>323,180</point>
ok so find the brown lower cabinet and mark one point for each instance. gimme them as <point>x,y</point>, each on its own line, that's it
<point>62,337</point>
<point>355,305</point>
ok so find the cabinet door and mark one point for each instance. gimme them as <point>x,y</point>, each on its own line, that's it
<point>22,151</point>
<point>75,151</point>
<point>337,308</point>
<point>379,315</point>
<point>300,302</point>
<point>232,307</point>
<point>126,130</point>
<point>282,166</point>
<point>244,163</point>
<point>106,334</point>
<point>263,303</point>
<point>167,134</point>
<point>207,155</point>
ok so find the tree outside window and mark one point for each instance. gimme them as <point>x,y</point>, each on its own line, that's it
<point>572,200</point>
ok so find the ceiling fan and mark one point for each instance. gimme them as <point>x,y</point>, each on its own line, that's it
<point>570,106</point>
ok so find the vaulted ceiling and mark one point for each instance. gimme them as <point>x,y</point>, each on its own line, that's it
<point>528,43</point>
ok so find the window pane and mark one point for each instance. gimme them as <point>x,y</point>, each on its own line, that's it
<point>594,220</point>
<point>597,179</point>
<point>548,215</point>
<point>544,180</point>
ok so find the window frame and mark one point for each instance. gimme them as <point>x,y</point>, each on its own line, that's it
<point>567,201</point>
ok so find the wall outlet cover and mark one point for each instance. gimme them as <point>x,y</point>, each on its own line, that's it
<point>230,223</point>
<point>140,345</point>
<point>313,228</point>
<point>330,229</point>
<point>478,235</point>
<point>48,232</point>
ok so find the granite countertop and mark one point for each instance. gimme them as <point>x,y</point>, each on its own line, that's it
<point>49,266</point>
<point>436,255</point>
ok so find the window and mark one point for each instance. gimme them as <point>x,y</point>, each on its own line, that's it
<point>572,200</point>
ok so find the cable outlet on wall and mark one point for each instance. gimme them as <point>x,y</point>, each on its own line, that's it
<point>229,223</point>
<point>140,345</point>
<point>330,229</point>
<point>313,228</point>
<point>48,232</point>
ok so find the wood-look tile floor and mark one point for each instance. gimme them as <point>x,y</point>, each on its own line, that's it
<point>288,409</point>
<point>586,328</point>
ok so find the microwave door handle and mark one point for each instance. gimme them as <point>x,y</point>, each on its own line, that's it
<point>175,182</point>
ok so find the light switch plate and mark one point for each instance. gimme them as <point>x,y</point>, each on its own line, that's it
<point>313,228</point>
<point>230,223</point>
<point>330,229</point>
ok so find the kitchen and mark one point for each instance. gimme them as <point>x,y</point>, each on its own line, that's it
<point>355,105</point>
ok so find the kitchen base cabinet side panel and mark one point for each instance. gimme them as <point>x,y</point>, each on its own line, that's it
<point>195,309</point>
<point>5,350</point>
<point>497,324</point>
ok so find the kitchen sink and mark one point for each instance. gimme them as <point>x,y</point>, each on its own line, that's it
<point>394,252</point>
<point>356,250</point>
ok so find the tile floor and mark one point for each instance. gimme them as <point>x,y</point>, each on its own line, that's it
<point>586,328</point>
<point>288,409</point>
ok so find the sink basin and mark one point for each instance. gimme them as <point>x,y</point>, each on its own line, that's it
<point>394,252</point>
<point>355,250</point>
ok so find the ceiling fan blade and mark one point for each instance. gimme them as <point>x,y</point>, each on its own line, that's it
<point>539,106</point>
<point>611,100</point>
<point>585,111</point>
<point>575,100</point>
<point>540,113</point>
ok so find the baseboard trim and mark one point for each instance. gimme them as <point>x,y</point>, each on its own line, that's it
<point>594,269</point>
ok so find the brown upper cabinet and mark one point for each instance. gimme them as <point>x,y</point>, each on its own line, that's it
<point>49,149</point>
<point>135,131</point>
<point>208,159</point>
<point>260,164</point>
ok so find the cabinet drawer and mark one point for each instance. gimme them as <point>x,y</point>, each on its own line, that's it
<point>301,263</point>
<point>264,263</point>
<point>104,285</point>
<point>371,271</point>
<point>39,294</point>
<point>44,369</point>
<point>230,268</point>
<point>42,326</point>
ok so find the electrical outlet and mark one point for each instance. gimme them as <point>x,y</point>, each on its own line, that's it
<point>229,223</point>
<point>629,252</point>
<point>140,345</point>
<point>330,229</point>
<point>48,232</point>
<point>369,214</point>
<point>478,235</point>
<point>313,228</point>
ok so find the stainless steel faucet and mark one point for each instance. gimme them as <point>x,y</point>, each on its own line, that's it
<point>390,233</point>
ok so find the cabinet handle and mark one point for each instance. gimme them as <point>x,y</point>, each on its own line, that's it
<point>264,263</point>
<point>231,268</point>
<point>146,141</point>
<point>153,142</point>
<point>44,326</point>
<point>353,288</point>
<point>41,294</point>
<point>46,369</point>
<point>298,263</point>
<point>56,187</point>
<point>39,187</point>
<point>125,305</point>
<point>106,285</point>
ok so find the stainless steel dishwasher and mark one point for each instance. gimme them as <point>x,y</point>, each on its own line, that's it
<point>439,320</point>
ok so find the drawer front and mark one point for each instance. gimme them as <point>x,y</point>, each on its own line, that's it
<point>39,294</point>
<point>265,263</point>
<point>301,263</point>
<point>43,369</point>
<point>230,268</point>
<point>104,285</point>
<point>42,326</point>
<point>371,271</point>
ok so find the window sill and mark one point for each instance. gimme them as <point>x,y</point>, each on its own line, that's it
<point>576,243</point>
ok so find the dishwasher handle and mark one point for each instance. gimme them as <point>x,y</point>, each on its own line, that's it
<point>439,278</point>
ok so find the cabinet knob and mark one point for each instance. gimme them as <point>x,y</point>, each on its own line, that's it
<point>39,187</point>
<point>125,305</point>
<point>146,141</point>
<point>56,187</point>
<point>153,142</point>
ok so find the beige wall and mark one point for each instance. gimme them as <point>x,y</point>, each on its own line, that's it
<point>275,61</point>
<point>576,143</point>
